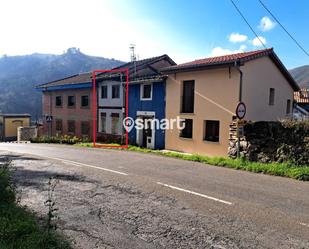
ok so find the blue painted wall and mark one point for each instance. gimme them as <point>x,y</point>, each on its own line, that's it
<point>157,105</point>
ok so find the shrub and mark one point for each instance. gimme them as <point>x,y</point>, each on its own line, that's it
<point>7,187</point>
<point>65,139</point>
<point>18,226</point>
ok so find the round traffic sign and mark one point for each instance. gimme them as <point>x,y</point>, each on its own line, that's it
<point>241,110</point>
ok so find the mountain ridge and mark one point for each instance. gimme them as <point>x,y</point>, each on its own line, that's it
<point>301,75</point>
<point>21,73</point>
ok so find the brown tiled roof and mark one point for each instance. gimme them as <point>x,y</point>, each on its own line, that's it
<point>302,96</point>
<point>146,68</point>
<point>71,80</point>
<point>232,60</point>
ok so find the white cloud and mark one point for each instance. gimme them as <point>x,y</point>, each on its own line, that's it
<point>266,24</point>
<point>218,51</point>
<point>236,37</point>
<point>257,41</point>
<point>242,47</point>
<point>105,29</point>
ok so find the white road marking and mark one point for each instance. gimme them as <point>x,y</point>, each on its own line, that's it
<point>85,165</point>
<point>195,193</point>
<point>304,224</point>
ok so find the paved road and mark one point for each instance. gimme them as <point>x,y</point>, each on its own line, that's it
<point>235,209</point>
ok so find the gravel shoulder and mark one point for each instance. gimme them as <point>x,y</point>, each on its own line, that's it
<point>101,210</point>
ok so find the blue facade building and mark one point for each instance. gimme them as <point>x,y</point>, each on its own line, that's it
<point>147,99</point>
<point>147,102</point>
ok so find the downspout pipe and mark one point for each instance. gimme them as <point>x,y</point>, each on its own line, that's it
<point>237,65</point>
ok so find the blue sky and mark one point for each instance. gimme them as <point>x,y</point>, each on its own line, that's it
<point>185,30</point>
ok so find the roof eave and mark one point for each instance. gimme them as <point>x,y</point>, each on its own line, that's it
<point>284,71</point>
<point>198,67</point>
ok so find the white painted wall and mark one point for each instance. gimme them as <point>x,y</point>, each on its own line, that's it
<point>109,120</point>
<point>109,101</point>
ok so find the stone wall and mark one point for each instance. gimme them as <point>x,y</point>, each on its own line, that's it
<point>272,141</point>
<point>26,133</point>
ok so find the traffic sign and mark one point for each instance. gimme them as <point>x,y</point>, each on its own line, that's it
<point>49,118</point>
<point>241,110</point>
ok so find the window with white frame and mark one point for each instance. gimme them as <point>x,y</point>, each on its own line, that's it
<point>103,122</point>
<point>115,91</point>
<point>146,91</point>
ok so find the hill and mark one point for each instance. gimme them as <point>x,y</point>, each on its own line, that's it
<point>19,75</point>
<point>301,75</point>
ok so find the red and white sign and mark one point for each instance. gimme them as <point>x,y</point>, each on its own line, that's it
<point>241,110</point>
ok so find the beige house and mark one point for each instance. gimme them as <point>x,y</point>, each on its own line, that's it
<point>205,94</point>
<point>9,124</point>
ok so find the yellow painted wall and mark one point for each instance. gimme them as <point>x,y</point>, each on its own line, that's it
<point>12,123</point>
<point>216,97</point>
<point>260,75</point>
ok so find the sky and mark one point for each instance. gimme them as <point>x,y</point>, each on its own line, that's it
<point>184,29</point>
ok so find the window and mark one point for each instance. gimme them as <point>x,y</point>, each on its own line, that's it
<point>103,122</point>
<point>115,123</point>
<point>85,101</point>
<point>104,92</point>
<point>58,101</point>
<point>288,106</point>
<point>85,128</point>
<point>58,126</point>
<point>116,91</point>
<point>188,97</point>
<point>71,126</point>
<point>71,101</point>
<point>211,130</point>
<point>146,91</point>
<point>187,131</point>
<point>271,96</point>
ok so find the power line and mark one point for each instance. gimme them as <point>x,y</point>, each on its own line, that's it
<point>297,43</point>
<point>243,17</point>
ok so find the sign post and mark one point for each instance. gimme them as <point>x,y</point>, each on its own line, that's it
<point>240,113</point>
<point>49,120</point>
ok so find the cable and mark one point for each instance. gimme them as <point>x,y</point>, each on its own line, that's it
<point>297,43</point>
<point>248,23</point>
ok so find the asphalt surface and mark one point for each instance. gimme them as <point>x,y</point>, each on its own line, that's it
<point>123,199</point>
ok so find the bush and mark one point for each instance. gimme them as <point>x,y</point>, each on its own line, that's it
<point>7,187</point>
<point>65,139</point>
<point>285,141</point>
<point>18,226</point>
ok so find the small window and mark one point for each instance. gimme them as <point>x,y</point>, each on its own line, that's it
<point>58,101</point>
<point>104,92</point>
<point>71,101</point>
<point>71,126</point>
<point>85,128</point>
<point>146,91</point>
<point>187,131</point>
<point>85,101</point>
<point>288,106</point>
<point>116,91</point>
<point>103,122</point>
<point>211,128</point>
<point>58,126</point>
<point>188,97</point>
<point>115,123</point>
<point>271,96</point>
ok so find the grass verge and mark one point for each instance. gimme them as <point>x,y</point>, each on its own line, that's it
<point>18,226</point>
<point>278,169</point>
